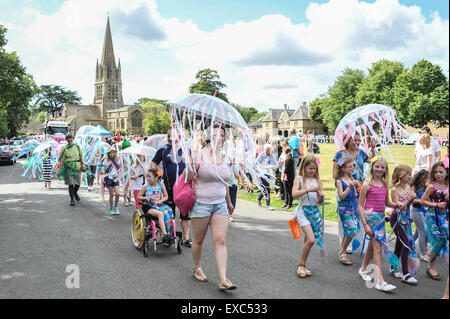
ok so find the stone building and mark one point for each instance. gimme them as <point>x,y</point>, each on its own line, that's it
<point>280,121</point>
<point>107,108</point>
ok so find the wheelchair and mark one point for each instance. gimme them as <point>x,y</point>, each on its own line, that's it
<point>146,234</point>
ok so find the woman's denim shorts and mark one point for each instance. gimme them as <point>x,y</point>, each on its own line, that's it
<point>200,210</point>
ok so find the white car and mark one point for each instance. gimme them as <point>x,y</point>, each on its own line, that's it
<point>412,139</point>
<point>16,146</point>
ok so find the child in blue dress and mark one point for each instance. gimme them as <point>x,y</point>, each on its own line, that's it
<point>154,193</point>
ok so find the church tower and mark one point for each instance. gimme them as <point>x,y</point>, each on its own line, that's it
<point>108,79</point>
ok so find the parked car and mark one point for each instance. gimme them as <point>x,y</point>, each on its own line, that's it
<point>17,146</point>
<point>6,155</point>
<point>320,139</point>
<point>410,140</point>
<point>442,140</point>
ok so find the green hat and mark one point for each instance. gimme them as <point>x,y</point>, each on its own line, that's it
<point>125,144</point>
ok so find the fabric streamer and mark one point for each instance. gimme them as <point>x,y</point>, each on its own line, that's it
<point>363,120</point>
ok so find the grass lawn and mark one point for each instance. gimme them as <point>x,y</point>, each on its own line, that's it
<point>403,154</point>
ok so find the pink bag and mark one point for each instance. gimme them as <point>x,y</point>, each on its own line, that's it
<point>184,195</point>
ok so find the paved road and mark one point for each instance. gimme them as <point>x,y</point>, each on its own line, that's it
<point>40,234</point>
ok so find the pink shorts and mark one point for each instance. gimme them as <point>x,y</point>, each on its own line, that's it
<point>136,193</point>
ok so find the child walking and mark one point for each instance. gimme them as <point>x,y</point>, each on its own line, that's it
<point>111,172</point>
<point>347,205</point>
<point>155,194</point>
<point>402,194</point>
<point>373,199</point>
<point>418,212</point>
<point>137,180</point>
<point>436,199</point>
<point>288,177</point>
<point>308,188</point>
<point>47,169</point>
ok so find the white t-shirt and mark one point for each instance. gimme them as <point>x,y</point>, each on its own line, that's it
<point>136,184</point>
<point>435,148</point>
<point>421,157</point>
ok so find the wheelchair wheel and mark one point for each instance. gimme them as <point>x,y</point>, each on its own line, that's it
<point>179,249</point>
<point>138,229</point>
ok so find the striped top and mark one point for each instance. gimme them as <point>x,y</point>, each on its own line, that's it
<point>47,170</point>
<point>376,198</point>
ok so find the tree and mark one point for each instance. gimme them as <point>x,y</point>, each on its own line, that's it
<point>208,83</point>
<point>157,121</point>
<point>317,109</point>
<point>257,116</point>
<point>342,97</point>
<point>421,95</point>
<point>378,86</point>
<point>51,98</point>
<point>17,88</point>
<point>246,112</point>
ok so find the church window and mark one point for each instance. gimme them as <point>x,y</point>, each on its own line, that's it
<point>136,119</point>
<point>122,124</point>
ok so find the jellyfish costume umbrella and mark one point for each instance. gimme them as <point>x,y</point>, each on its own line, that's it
<point>363,119</point>
<point>40,152</point>
<point>90,143</point>
<point>193,117</point>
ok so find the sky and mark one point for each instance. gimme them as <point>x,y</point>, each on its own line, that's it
<point>268,53</point>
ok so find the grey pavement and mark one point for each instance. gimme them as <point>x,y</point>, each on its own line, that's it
<point>40,235</point>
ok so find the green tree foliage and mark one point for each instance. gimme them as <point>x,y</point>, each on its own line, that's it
<point>317,109</point>
<point>257,116</point>
<point>157,121</point>
<point>421,95</point>
<point>246,112</point>
<point>51,98</point>
<point>378,86</point>
<point>143,100</point>
<point>208,81</point>
<point>341,97</point>
<point>17,88</point>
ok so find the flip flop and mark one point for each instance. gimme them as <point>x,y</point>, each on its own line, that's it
<point>231,287</point>
<point>188,243</point>
<point>435,277</point>
<point>199,274</point>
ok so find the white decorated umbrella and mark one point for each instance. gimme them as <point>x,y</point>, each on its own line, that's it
<point>140,149</point>
<point>209,107</point>
<point>42,147</point>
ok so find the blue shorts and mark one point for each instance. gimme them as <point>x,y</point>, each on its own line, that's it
<point>110,183</point>
<point>200,210</point>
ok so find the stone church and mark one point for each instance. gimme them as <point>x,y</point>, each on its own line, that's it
<point>107,108</point>
<point>280,121</point>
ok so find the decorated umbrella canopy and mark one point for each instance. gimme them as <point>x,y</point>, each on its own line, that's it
<point>85,129</point>
<point>42,147</point>
<point>99,130</point>
<point>193,117</point>
<point>140,149</point>
<point>156,141</point>
<point>363,119</point>
<point>210,107</point>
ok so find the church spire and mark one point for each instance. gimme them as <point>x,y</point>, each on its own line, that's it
<point>108,50</point>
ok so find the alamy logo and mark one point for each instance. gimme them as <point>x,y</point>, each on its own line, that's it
<point>73,279</point>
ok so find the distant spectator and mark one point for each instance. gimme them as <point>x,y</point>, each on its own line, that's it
<point>435,147</point>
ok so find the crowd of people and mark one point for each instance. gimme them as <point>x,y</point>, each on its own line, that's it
<point>366,195</point>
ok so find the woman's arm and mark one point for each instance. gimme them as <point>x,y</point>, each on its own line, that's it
<point>228,200</point>
<point>429,158</point>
